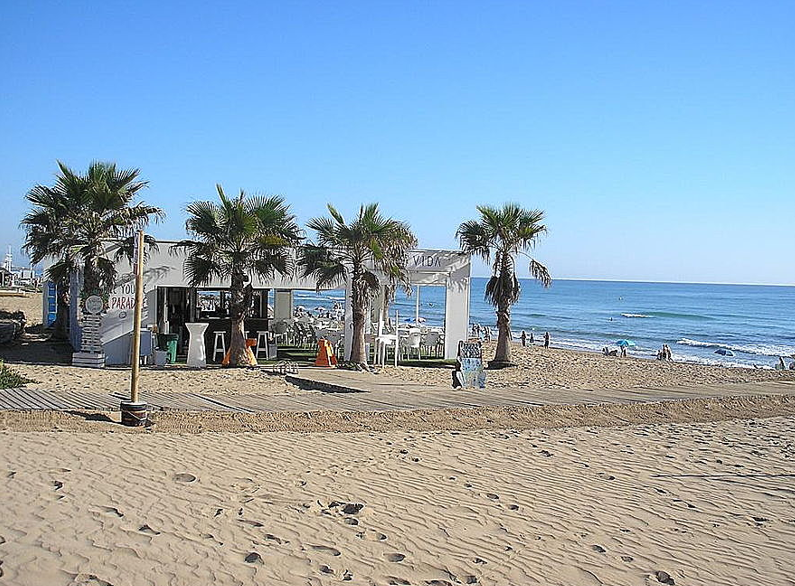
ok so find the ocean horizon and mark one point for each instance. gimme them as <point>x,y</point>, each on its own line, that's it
<point>752,324</point>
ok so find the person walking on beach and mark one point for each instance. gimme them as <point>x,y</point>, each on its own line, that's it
<point>523,338</point>
<point>546,339</point>
<point>532,338</point>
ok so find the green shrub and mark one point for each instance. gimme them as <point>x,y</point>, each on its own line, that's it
<point>10,379</point>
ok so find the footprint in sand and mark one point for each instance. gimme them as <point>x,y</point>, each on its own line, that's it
<point>664,578</point>
<point>89,580</point>
<point>326,549</point>
<point>11,473</point>
<point>148,530</point>
<point>546,453</point>
<point>513,507</point>
<point>211,536</point>
<point>113,511</point>
<point>250,522</point>
<point>272,537</point>
<point>351,521</point>
<point>395,557</point>
<point>598,548</point>
<point>57,484</point>
<point>184,477</point>
<point>326,570</point>
<point>352,508</point>
<point>471,579</point>
<point>395,581</point>
<point>627,558</point>
<point>492,496</point>
<point>254,558</point>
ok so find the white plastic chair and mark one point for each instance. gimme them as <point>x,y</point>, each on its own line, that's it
<point>431,343</point>
<point>411,342</point>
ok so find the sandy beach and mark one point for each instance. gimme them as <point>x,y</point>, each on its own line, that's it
<point>652,504</point>
<point>678,492</point>
<point>28,303</point>
<point>540,367</point>
<point>48,365</point>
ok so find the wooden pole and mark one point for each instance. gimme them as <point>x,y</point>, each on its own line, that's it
<point>135,357</point>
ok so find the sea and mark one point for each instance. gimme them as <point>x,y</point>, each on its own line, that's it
<point>752,324</point>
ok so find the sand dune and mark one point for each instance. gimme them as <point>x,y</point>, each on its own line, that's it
<point>655,504</point>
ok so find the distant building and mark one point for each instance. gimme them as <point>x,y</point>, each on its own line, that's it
<point>6,278</point>
<point>17,276</point>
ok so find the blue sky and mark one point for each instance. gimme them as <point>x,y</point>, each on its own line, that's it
<point>658,137</point>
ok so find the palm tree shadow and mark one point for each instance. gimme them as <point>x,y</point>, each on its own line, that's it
<point>100,417</point>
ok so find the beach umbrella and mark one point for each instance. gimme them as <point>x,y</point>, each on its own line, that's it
<point>724,352</point>
<point>411,320</point>
<point>625,343</point>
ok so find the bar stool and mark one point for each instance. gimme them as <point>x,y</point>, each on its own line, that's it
<point>262,344</point>
<point>219,345</point>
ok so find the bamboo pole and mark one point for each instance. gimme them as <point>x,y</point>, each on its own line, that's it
<point>135,357</point>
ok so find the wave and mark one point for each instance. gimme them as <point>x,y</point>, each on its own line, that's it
<point>758,349</point>
<point>635,315</point>
<point>687,316</point>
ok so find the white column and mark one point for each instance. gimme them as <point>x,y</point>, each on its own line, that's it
<point>283,305</point>
<point>456,311</point>
<point>348,320</point>
<point>417,307</point>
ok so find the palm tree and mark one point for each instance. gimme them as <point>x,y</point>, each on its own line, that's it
<point>73,220</point>
<point>353,252</point>
<point>504,233</point>
<point>239,238</point>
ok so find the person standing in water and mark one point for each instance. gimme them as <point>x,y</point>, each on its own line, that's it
<point>546,339</point>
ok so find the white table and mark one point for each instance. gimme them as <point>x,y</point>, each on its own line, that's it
<point>197,355</point>
<point>382,342</point>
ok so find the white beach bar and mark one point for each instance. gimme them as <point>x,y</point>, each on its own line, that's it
<point>165,287</point>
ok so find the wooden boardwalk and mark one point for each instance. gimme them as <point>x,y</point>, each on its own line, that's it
<point>337,390</point>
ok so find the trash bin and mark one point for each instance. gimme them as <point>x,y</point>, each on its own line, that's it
<point>161,356</point>
<point>168,342</point>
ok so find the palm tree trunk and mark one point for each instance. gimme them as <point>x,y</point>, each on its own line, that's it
<point>358,307</point>
<point>502,355</point>
<point>60,325</point>
<point>238,355</point>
